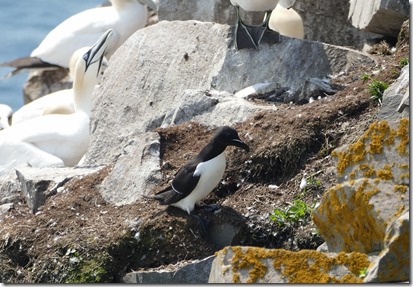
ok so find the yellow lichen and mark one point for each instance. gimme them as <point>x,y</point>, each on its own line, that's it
<point>378,135</point>
<point>400,188</point>
<point>385,173</point>
<point>305,266</point>
<point>353,218</point>
<point>403,134</point>
<point>368,170</point>
<point>249,260</point>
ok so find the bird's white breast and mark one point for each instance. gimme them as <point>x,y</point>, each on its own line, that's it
<point>211,174</point>
<point>255,5</point>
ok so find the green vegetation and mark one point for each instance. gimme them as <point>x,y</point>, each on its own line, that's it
<point>297,212</point>
<point>376,89</point>
<point>86,271</point>
<point>363,273</point>
<point>365,76</point>
<point>404,62</point>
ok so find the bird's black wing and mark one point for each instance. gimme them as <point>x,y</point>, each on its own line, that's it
<point>182,185</point>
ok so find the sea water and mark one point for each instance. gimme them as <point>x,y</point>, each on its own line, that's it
<point>23,25</point>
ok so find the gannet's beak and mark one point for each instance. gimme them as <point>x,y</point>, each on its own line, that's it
<point>96,53</point>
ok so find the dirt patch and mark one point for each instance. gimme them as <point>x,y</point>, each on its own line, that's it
<point>78,237</point>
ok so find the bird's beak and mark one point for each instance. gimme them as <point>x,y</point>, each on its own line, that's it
<point>98,50</point>
<point>240,144</point>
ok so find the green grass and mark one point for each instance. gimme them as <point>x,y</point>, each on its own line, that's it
<point>404,62</point>
<point>376,89</point>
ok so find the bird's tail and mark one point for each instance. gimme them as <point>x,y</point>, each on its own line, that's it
<point>20,64</point>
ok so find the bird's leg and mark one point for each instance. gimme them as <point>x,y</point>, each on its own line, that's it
<point>269,36</point>
<point>264,27</point>
<point>243,37</point>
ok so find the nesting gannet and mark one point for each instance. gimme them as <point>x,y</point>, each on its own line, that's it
<point>63,136</point>
<point>5,114</point>
<point>247,36</point>
<point>59,102</point>
<point>124,17</point>
<point>286,20</point>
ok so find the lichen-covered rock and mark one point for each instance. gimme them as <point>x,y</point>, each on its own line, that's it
<point>393,263</point>
<point>374,176</point>
<point>381,153</point>
<point>238,264</point>
<point>353,216</point>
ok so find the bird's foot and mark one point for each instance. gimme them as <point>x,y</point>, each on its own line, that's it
<point>271,37</point>
<point>203,225</point>
<point>243,37</point>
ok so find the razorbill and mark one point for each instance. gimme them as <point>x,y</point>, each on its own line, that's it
<point>124,17</point>
<point>65,137</point>
<point>195,180</point>
<point>247,36</point>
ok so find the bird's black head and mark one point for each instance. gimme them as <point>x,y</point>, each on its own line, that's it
<point>228,136</point>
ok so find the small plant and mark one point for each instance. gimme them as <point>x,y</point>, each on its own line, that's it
<point>365,76</point>
<point>296,213</point>
<point>376,89</point>
<point>404,62</point>
<point>363,273</point>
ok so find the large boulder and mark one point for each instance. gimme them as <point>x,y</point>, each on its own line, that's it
<point>393,263</point>
<point>394,95</point>
<point>194,80</point>
<point>383,17</point>
<point>374,171</point>
<point>236,264</point>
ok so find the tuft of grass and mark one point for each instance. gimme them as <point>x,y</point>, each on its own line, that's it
<point>403,62</point>
<point>376,89</point>
<point>365,76</point>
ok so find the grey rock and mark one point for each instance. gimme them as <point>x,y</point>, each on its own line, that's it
<point>43,82</point>
<point>204,60</point>
<point>393,263</point>
<point>383,17</point>
<point>136,171</point>
<point>37,184</point>
<point>327,21</point>
<point>8,187</point>
<point>196,272</point>
<point>393,97</point>
<point>404,103</point>
<point>5,207</point>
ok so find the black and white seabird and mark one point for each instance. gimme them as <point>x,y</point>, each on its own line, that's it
<point>247,36</point>
<point>195,180</point>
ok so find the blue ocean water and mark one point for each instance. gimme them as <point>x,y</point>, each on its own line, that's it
<point>24,23</point>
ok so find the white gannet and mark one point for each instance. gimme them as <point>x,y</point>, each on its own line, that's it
<point>124,17</point>
<point>286,20</point>
<point>247,36</point>
<point>5,115</point>
<point>63,136</point>
<point>59,102</point>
